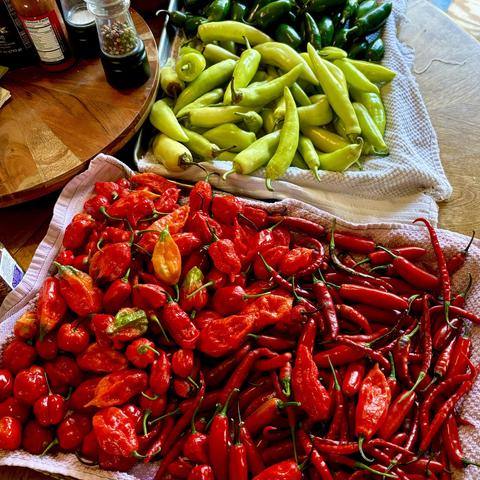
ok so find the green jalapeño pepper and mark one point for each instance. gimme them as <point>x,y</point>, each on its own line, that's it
<point>243,73</point>
<point>192,23</point>
<point>230,30</point>
<point>349,10</point>
<point>230,136</point>
<point>257,5</point>
<point>336,94</point>
<point>209,79</point>
<point>374,19</point>
<point>342,159</point>
<point>257,96</point>
<point>284,33</point>
<point>177,18</point>
<point>358,50</point>
<point>312,32</point>
<point>321,5</point>
<point>366,7</point>
<point>238,12</point>
<point>217,10</point>
<point>271,13</point>
<point>287,144</point>
<point>375,51</point>
<point>327,30</point>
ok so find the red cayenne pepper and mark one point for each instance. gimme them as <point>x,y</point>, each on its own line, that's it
<point>452,444</point>
<point>456,262</point>
<point>372,408</point>
<point>281,471</point>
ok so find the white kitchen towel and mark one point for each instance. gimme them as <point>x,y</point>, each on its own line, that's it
<point>105,168</point>
<point>395,188</point>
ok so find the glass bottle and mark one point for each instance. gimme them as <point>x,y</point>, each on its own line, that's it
<point>81,28</point>
<point>122,52</point>
<point>16,49</point>
<point>43,22</point>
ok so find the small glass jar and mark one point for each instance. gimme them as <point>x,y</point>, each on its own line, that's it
<point>81,27</point>
<point>122,52</point>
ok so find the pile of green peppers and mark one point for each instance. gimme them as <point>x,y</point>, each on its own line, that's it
<point>353,25</point>
<point>269,106</point>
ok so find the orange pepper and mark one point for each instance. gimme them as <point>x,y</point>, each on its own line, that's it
<point>166,259</point>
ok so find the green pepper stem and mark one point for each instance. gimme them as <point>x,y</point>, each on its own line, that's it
<point>193,382</point>
<point>192,421</point>
<point>268,184</point>
<point>152,399</point>
<point>201,287</point>
<point>377,472</point>
<point>161,417</point>
<point>142,349</point>
<point>361,439</point>
<point>223,411</point>
<point>335,379</point>
<point>157,321</point>
<point>226,174</point>
<point>420,378</point>
<point>147,413</point>
<point>49,446</point>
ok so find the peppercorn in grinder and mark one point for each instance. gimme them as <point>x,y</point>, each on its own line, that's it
<point>122,52</point>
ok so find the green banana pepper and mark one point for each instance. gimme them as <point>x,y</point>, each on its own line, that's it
<point>299,162</point>
<point>230,136</point>
<point>209,98</point>
<point>268,120</point>
<point>355,77</point>
<point>332,53</point>
<point>299,95</point>
<point>374,72</point>
<point>342,159</point>
<point>190,64</point>
<point>169,81</point>
<point>309,155</point>
<point>209,117</point>
<point>230,30</point>
<point>370,131</point>
<point>199,145</point>
<point>373,103</point>
<point>215,54</point>
<point>252,120</point>
<point>324,140</point>
<point>163,119</point>
<point>230,46</point>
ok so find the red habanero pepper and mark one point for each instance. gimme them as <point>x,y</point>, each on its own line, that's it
<point>226,208</point>
<point>200,197</point>
<point>117,294</point>
<point>62,371</point>
<point>30,384</point>
<point>141,352</point>
<point>183,362</point>
<point>115,235</point>
<point>18,355</point>
<point>153,181</point>
<point>94,206</point>
<point>12,407</point>
<point>10,433</point>
<point>273,257</point>
<point>295,260</point>
<point>90,448</point>
<point>204,226</point>
<point>51,306</point>
<point>160,373</point>
<point>187,242</point>
<point>381,257</point>
<point>167,202</point>
<point>353,378</point>
<point>373,402</point>
<point>82,395</point>
<point>353,243</point>
<point>118,388</point>
<point>78,290</point>
<point>225,335</point>
<point>101,359</point>
<point>115,432</point>
<point>78,231</point>
<point>156,404</point>
<point>269,310</point>
<point>224,256</point>
<point>281,471</point>
<point>307,389</point>
<point>180,326</point>
<point>135,206</point>
<point>201,472</point>
<point>372,296</point>
<point>65,257</point>
<point>231,299</point>
<point>50,409</point>
<point>73,338</point>
<point>26,327</point>
<point>116,463</point>
<point>72,430</point>
<point>457,261</point>
<point>107,189</point>
<point>35,438</point>
<point>191,296</point>
<point>254,216</point>
<point>110,263</point>
<point>6,384</point>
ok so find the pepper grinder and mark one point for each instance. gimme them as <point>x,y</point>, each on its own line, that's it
<point>122,52</point>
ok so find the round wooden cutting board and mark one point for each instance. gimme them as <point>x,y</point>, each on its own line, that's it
<point>55,123</point>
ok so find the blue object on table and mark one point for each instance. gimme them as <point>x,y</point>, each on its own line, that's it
<point>443,4</point>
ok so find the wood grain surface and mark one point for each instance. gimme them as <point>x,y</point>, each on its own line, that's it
<point>451,93</point>
<point>56,122</point>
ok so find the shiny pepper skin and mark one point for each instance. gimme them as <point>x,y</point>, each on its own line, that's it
<point>179,326</point>
<point>12,407</point>
<point>30,384</point>
<point>51,305</point>
<point>110,263</point>
<point>72,430</point>
<point>160,374</point>
<point>224,257</point>
<point>62,371</point>
<point>200,197</point>
<point>117,295</point>
<point>26,326</point>
<point>10,433</point>
<point>36,438</point>
<point>225,208</point>
<point>115,432</point>
<point>78,231</point>
<point>73,338</point>
<point>295,260</point>
<point>286,470</point>
<point>47,348</point>
<point>78,290</point>
<point>182,362</point>
<point>18,355</point>
<point>50,409</point>
<point>101,359</point>
<point>82,395</point>
<point>93,206</point>
<point>166,259</point>
<point>141,352</point>
<point>6,384</point>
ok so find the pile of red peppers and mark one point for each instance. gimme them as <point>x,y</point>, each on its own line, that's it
<point>199,332</point>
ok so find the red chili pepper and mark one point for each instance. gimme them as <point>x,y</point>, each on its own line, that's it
<point>352,243</point>
<point>316,458</point>
<point>281,471</point>
<point>51,306</point>
<point>200,197</point>
<point>373,402</point>
<point>78,231</point>
<point>6,384</point>
<point>154,182</point>
<point>254,216</point>
<point>65,257</point>
<point>63,371</point>
<point>30,384</point>
<point>381,257</point>
<point>224,256</point>
<point>95,205</point>
<point>371,296</point>
<point>226,208</point>
<point>353,378</point>
<point>72,430</point>
<point>117,294</point>
<point>187,242</point>
<point>160,374</point>
<point>460,354</point>
<point>116,463</point>
<point>452,444</point>
<point>35,438</point>
<point>273,256</point>
<point>110,263</point>
<point>339,413</point>
<point>10,433</point>
<point>397,412</point>
<point>275,343</point>
<point>167,202</point>
<point>217,374</point>
<point>156,404</point>
<point>26,327</point>
<point>373,354</point>
<point>237,462</point>
<point>180,326</point>
<point>295,260</point>
<point>101,359</point>
<point>50,409</point>
<point>307,389</point>
<point>82,395</point>
<point>90,448</point>
<point>457,261</point>
<point>201,472</point>
<point>135,206</point>
<point>457,311</point>
<point>18,355</point>
<point>297,224</point>
<point>78,290</point>
<point>107,189</point>
<point>149,296</point>
<point>73,337</point>
<point>196,445</point>
<point>115,432</point>
<point>324,299</point>
<point>182,362</point>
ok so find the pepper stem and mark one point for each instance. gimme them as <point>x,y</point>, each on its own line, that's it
<point>161,417</point>
<point>335,379</point>
<point>147,413</point>
<point>148,397</point>
<point>193,382</point>
<point>201,287</point>
<point>192,422</point>
<point>420,378</point>
<point>377,472</point>
<point>223,411</point>
<point>361,439</point>
<point>49,446</point>
<point>142,349</point>
<point>157,321</point>
<point>226,174</point>
<point>392,366</point>
<point>268,184</point>
<point>465,251</point>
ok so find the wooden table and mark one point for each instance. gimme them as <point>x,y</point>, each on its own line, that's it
<point>451,93</point>
<point>56,123</point>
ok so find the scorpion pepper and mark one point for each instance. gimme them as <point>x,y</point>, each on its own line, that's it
<point>26,327</point>
<point>149,296</point>
<point>118,387</point>
<point>225,208</point>
<point>115,432</point>
<point>191,298</point>
<point>179,325</point>
<point>82,395</point>
<point>117,294</point>
<point>101,359</point>
<point>78,290</point>
<point>187,242</point>
<point>133,207</point>
<point>78,231</point>
<point>224,257</point>
<point>51,305</point>
<point>154,182</point>
<point>129,323</point>
<point>166,259</point>
<point>307,388</point>
<point>110,263</point>
<point>200,197</point>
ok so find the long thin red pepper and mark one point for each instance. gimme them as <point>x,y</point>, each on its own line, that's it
<point>254,459</point>
<point>339,402</point>
<point>324,299</point>
<point>366,350</point>
<point>457,311</point>
<point>354,316</point>
<point>457,261</point>
<point>373,297</point>
<point>315,457</point>
<point>452,444</point>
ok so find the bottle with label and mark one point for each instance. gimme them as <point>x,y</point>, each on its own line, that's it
<point>16,49</point>
<point>43,22</point>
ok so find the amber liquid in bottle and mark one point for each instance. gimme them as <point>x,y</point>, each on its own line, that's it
<point>43,22</point>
